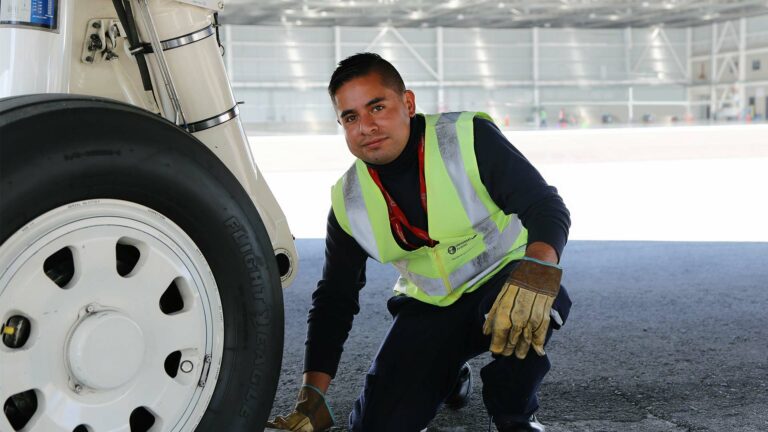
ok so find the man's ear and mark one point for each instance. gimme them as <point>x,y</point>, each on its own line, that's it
<point>410,102</point>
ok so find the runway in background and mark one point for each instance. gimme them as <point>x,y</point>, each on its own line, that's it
<point>699,183</point>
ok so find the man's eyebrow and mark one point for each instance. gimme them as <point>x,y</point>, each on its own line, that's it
<point>370,102</point>
<point>375,101</point>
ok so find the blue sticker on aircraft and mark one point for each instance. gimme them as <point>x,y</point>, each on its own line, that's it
<point>41,14</point>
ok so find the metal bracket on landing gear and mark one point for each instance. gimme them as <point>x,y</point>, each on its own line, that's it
<point>101,39</point>
<point>206,370</point>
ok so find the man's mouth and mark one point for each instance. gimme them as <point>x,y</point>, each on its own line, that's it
<point>374,142</point>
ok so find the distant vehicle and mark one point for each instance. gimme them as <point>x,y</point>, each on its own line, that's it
<point>727,112</point>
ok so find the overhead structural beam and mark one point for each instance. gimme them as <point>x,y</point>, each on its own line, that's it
<point>475,83</point>
<point>629,71</point>
<point>407,45</point>
<point>728,61</point>
<point>761,83</point>
<point>376,40</point>
<point>618,103</point>
<point>436,67</point>
<point>628,51</point>
<point>486,14</point>
<point>742,63</point>
<point>440,70</point>
<point>645,50</point>
<point>671,48</point>
<point>713,73</point>
<point>337,44</point>
<point>749,51</point>
<point>415,54</point>
<point>727,27</point>
<point>660,36</point>
<point>535,66</point>
<point>688,67</point>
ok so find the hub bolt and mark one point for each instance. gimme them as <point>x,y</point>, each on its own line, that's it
<point>16,331</point>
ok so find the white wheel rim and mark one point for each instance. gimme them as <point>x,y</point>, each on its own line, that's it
<point>75,329</point>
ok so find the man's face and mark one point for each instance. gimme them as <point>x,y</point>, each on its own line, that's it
<point>376,118</point>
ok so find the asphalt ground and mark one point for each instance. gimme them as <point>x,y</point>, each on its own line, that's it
<point>662,337</point>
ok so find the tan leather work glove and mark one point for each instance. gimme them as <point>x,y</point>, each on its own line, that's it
<point>519,317</point>
<point>311,413</point>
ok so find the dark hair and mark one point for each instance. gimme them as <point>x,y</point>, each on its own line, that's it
<point>362,64</point>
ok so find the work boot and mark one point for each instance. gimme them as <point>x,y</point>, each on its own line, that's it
<point>459,396</point>
<point>530,425</point>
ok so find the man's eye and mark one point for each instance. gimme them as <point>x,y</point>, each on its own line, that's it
<point>349,119</point>
<point>378,107</point>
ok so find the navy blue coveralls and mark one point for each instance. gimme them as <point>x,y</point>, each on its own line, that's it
<point>420,358</point>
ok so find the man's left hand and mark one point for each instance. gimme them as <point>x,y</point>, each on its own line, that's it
<point>519,317</point>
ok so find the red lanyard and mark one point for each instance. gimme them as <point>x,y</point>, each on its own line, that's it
<point>396,216</point>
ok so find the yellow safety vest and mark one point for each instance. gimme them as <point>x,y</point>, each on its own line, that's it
<point>476,239</point>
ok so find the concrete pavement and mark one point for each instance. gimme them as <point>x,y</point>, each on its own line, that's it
<point>663,337</point>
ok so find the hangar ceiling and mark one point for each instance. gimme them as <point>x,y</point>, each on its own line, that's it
<point>489,13</point>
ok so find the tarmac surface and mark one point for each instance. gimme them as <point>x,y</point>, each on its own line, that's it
<point>662,337</point>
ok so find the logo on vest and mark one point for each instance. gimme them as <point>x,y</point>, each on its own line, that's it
<point>461,245</point>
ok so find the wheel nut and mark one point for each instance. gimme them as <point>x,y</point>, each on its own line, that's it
<point>16,331</point>
<point>78,388</point>
<point>186,366</point>
<point>90,308</point>
<point>96,25</point>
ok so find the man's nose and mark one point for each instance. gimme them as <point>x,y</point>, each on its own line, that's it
<point>368,125</point>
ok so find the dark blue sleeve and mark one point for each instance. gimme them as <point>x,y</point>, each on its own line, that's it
<point>335,302</point>
<point>517,187</point>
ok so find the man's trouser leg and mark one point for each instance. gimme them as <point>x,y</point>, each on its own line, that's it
<point>510,385</point>
<point>414,370</point>
<point>419,361</point>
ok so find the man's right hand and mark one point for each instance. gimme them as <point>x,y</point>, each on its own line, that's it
<point>311,413</point>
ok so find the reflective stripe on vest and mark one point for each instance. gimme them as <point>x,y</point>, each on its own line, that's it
<point>357,213</point>
<point>503,236</point>
<point>496,243</point>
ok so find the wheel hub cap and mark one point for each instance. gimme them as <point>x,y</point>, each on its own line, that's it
<point>120,303</point>
<point>106,350</point>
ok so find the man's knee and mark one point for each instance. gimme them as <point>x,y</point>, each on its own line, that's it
<point>389,404</point>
